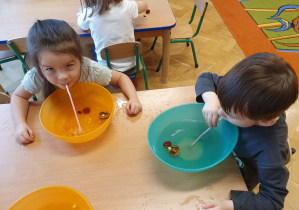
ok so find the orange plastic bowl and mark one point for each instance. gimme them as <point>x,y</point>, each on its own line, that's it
<point>58,118</point>
<point>53,197</point>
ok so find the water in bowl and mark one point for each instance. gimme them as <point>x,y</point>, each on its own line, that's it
<point>183,133</point>
<point>61,206</point>
<point>67,125</point>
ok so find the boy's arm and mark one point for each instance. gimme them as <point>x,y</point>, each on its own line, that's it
<point>123,81</point>
<point>272,190</point>
<point>19,109</point>
<point>210,109</point>
<point>206,88</point>
<point>206,82</point>
<point>142,6</point>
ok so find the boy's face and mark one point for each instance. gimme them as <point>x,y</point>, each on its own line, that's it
<point>236,119</point>
<point>242,121</point>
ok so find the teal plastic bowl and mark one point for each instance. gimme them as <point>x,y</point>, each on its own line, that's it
<point>181,125</point>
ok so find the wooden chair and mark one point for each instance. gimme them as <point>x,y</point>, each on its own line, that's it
<point>183,32</point>
<point>4,98</point>
<point>123,50</point>
<point>19,47</point>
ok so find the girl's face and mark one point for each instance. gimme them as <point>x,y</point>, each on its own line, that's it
<point>60,69</point>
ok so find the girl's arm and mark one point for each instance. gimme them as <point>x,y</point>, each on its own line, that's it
<point>142,6</point>
<point>83,4</point>
<point>82,15</point>
<point>19,108</point>
<point>123,81</point>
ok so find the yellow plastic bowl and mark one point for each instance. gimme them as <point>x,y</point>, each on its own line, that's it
<point>58,118</point>
<point>53,197</point>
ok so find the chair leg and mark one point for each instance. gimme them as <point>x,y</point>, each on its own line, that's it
<point>153,45</point>
<point>145,78</point>
<point>144,73</point>
<point>24,69</point>
<point>159,66</point>
<point>194,53</point>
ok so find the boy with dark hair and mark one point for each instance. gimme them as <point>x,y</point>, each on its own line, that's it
<point>254,95</point>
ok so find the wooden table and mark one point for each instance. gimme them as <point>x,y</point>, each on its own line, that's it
<point>114,171</point>
<point>17,16</point>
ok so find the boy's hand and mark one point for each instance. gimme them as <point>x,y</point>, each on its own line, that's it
<point>133,107</point>
<point>24,134</point>
<point>219,205</point>
<point>210,109</point>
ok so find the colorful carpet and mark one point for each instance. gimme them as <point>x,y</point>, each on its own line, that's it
<point>264,26</point>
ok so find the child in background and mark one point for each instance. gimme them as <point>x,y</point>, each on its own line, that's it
<point>254,95</point>
<point>56,54</point>
<point>110,22</point>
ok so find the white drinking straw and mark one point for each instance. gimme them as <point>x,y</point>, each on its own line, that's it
<point>68,91</point>
<point>203,133</point>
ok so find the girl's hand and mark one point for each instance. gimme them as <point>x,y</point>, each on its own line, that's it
<point>219,205</point>
<point>24,134</point>
<point>123,81</point>
<point>210,109</point>
<point>133,107</point>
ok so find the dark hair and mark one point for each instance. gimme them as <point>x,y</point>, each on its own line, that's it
<point>260,87</point>
<point>53,36</point>
<point>99,6</point>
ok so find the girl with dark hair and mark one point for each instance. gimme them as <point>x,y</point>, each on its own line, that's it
<point>56,54</point>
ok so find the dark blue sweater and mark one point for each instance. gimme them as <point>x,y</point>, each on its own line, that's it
<point>263,151</point>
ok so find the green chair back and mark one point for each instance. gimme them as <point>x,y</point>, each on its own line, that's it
<point>19,47</point>
<point>124,50</point>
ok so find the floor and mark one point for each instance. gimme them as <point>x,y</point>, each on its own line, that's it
<point>217,52</point>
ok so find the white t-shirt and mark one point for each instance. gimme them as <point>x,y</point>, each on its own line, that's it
<point>91,71</point>
<point>112,27</point>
